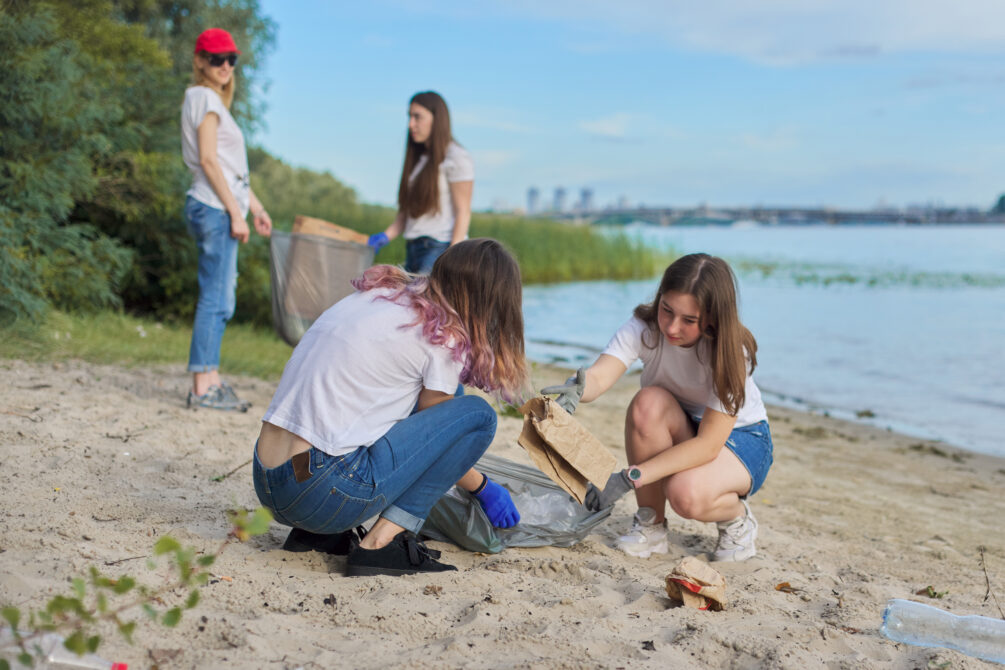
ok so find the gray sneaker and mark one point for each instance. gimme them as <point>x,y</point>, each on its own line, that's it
<point>216,397</point>
<point>231,395</point>
<point>736,537</point>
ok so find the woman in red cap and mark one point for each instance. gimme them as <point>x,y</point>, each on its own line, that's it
<point>216,207</point>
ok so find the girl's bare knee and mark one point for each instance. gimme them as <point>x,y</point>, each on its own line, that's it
<point>652,409</point>
<point>686,499</point>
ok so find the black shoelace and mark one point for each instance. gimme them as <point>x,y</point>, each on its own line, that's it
<point>418,552</point>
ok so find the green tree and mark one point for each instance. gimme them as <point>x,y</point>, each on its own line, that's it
<point>49,130</point>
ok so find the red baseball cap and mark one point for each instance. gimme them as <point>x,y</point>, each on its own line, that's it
<point>215,41</point>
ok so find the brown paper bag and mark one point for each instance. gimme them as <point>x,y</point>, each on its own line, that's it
<point>697,584</point>
<point>562,449</point>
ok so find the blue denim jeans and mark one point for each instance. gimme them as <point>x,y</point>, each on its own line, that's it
<point>400,476</point>
<point>217,282</point>
<point>421,253</point>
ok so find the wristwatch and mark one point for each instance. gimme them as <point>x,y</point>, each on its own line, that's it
<point>634,475</point>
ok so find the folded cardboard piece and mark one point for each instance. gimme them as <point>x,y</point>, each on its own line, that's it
<point>697,584</point>
<point>562,449</point>
<point>307,225</point>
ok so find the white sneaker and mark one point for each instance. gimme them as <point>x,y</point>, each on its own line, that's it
<point>646,536</point>
<point>736,537</point>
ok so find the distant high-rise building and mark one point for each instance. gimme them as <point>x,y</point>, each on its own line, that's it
<point>586,200</point>
<point>623,202</point>
<point>533,200</point>
<point>558,204</point>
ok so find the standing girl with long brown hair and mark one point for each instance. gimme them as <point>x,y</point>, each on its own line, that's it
<point>697,397</point>
<point>434,193</point>
<point>365,422</point>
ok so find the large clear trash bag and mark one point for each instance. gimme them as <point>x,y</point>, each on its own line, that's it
<point>548,515</point>
<point>310,273</point>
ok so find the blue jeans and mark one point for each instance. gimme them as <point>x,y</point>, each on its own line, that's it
<point>400,476</point>
<point>421,253</point>
<point>217,282</point>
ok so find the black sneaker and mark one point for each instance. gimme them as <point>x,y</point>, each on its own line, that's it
<point>337,544</point>
<point>404,555</point>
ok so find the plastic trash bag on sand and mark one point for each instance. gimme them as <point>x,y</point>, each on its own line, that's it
<point>697,584</point>
<point>310,273</point>
<point>548,515</point>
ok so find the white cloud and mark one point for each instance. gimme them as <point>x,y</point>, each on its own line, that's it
<point>614,127</point>
<point>780,32</point>
<point>378,41</point>
<point>488,118</point>
<point>777,140</point>
<point>495,158</point>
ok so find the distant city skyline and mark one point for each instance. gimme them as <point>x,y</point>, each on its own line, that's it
<point>849,104</point>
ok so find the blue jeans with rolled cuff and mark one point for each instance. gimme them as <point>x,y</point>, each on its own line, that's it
<point>400,476</point>
<point>421,253</point>
<point>217,282</point>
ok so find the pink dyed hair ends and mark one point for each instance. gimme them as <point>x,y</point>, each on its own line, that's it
<point>440,325</point>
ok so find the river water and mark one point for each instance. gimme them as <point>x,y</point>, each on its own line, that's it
<point>902,327</point>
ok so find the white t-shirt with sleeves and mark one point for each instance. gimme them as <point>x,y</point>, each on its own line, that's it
<point>456,166</point>
<point>230,149</point>
<point>684,371</point>
<point>356,372</point>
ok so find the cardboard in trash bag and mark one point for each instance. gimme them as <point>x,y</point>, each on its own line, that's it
<point>697,584</point>
<point>309,274</point>
<point>308,225</point>
<point>563,449</point>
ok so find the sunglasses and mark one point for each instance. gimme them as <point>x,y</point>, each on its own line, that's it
<point>216,60</point>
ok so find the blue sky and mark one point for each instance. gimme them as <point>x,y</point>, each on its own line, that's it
<point>845,103</point>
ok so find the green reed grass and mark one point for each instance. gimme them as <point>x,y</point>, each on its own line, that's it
<point>549,251</point>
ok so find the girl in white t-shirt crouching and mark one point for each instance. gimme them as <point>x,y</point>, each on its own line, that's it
<point>365,422</point>
<point>434,194</point>
<point>697,397</point>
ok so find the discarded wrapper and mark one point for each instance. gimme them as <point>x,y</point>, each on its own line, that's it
<point>562,449</point>
<point>697,584</point>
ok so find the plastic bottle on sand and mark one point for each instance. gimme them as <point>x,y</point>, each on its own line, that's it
<point>54,655</point>
<point>927,626</point>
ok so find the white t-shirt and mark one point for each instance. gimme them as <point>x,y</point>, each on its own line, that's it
<point>230,149</point>
<point>679,370</point>
<point>356,372</point>
<point>456,166</point>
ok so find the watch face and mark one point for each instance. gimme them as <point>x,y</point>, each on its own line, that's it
<point>634,474</point>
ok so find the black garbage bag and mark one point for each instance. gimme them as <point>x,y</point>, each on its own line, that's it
<point>548,515</point>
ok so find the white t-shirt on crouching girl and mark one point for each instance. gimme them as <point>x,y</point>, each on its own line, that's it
<point>356,372</point>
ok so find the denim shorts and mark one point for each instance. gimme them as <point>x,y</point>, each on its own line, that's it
<point>752,445</point>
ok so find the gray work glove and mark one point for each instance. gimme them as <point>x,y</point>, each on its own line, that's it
<point>617,485</point>
<point>570,392</point>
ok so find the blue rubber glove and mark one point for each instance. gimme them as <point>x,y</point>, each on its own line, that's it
<point>498,505</point>
<point>377,240</point>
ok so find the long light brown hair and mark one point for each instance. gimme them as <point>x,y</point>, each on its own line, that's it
<point>712,283</point>
<point>199,79</point>
<point>471,303</point>
<point>422,195</point>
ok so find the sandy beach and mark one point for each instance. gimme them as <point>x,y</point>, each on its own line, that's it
<point>99,461</point>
